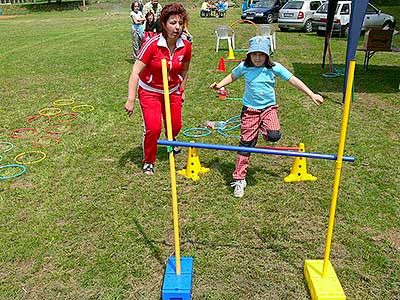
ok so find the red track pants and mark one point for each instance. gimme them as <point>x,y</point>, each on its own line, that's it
<point>153,107</point>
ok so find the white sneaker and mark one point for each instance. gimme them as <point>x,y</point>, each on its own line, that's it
<point>239,185</point>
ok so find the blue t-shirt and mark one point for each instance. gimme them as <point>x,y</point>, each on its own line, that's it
<point>259,91</point>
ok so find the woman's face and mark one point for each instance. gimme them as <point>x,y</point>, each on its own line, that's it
<point>258,58</point>
<point>173,27</point>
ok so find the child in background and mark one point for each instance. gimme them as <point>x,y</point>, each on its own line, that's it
<point>137,20</point>
<point>150,28</point>
<point>260,110</point>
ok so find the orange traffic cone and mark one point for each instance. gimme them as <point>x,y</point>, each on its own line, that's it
<point>221,65</point>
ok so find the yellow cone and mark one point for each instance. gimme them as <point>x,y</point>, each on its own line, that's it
<point>193,166</point>
<point>231,55</point>
<point>298,172</point>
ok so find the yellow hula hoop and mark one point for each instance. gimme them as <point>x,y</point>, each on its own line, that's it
<point>63,102</point>
<point>30,162</point>
<point>77,108</point>
<point>52,111</point>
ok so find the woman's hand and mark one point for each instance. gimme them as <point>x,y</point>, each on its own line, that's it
<point>317,99</point>
<point>129,106</point>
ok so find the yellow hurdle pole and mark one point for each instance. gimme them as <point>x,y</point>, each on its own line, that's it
<point>172,167</point>
<point>342,140</point>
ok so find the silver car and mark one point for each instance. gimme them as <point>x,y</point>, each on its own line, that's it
<point>374,17</point>
<point>297,14</point>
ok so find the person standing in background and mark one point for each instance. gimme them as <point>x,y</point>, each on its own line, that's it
<point>137,20</point>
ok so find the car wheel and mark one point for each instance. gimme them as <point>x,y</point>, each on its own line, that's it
<point>270,18</point>
<point>308,26</point>
<point>388,24</point>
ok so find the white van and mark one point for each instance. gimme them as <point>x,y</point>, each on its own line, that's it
<point>373,18</point>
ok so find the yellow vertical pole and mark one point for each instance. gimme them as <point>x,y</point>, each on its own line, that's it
<point>172,167</point>
<point>339,162</point>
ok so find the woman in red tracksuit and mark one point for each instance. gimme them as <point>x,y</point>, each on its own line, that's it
<point>146,77</point>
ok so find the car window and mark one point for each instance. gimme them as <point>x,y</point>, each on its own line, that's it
<point>294,5</point>
<point>324,8</point>
<point>314,5</point>
<point>345,9</point>
<point>267,3</point>
<point>370,10</point>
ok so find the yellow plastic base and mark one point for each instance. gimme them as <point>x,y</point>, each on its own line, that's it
<point>194,175</point>
<point>298,172</point>
<point>322,288</point>
<point>193,166</point>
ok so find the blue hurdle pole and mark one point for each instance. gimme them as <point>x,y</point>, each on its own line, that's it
<point>255,150</point>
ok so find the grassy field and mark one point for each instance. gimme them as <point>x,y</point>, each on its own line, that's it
<point>86,224</point>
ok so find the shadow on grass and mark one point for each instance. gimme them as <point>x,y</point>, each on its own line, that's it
<point>365,80</point>
<point>135,156</point>
<point>150,244</point>
<point>254,172</point>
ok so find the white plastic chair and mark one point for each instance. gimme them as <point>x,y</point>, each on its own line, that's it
<point>268,31</point>
<point>224,33</point>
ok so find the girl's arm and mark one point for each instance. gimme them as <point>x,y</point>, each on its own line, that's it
<point>300,85</point>
<point>227,80</point>
<point>132,86</point>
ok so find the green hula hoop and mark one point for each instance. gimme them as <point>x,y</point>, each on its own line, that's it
<point>205,131</point>
<point>11,146</point>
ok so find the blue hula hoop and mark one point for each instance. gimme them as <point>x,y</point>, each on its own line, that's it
<point>222,132</point>
<point>205,130</point>
<point>13,166</point>
<point>7,143</point>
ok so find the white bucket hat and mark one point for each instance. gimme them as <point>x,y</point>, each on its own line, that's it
<point>259,44</point>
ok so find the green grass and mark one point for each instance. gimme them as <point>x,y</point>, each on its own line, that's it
<point>86,224</point>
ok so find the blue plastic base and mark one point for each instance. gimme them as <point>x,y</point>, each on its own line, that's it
<point>178,287</point>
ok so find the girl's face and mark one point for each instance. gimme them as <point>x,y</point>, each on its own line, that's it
<point>174,26</point>
<point>136,7</point>
<point>150,18</point>
<point>258,58</point>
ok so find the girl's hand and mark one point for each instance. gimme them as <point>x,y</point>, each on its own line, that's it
<point>214,86</point>
<point>317,99</point>
<point>129,107</point>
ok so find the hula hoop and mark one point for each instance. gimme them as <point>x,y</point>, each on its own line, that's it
<point>205,130</point>
<point>246,21</point>
<point>7,143</point>
<point>13,166</point>
<point>38,145</point>
<point>14,136</point>
<point>73,117</point>
<point>31,119</point>
<point>222,132</point>
<point>63,102</point>
<point>331,75</point>
<point>49,131</point>
<point>30,162</point>
<point>77,108</point>
<point>50,111</point>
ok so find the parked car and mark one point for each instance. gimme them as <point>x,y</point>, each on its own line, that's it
<point>297,14</point>
<point>373,18</point>
<point>264,11</point>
